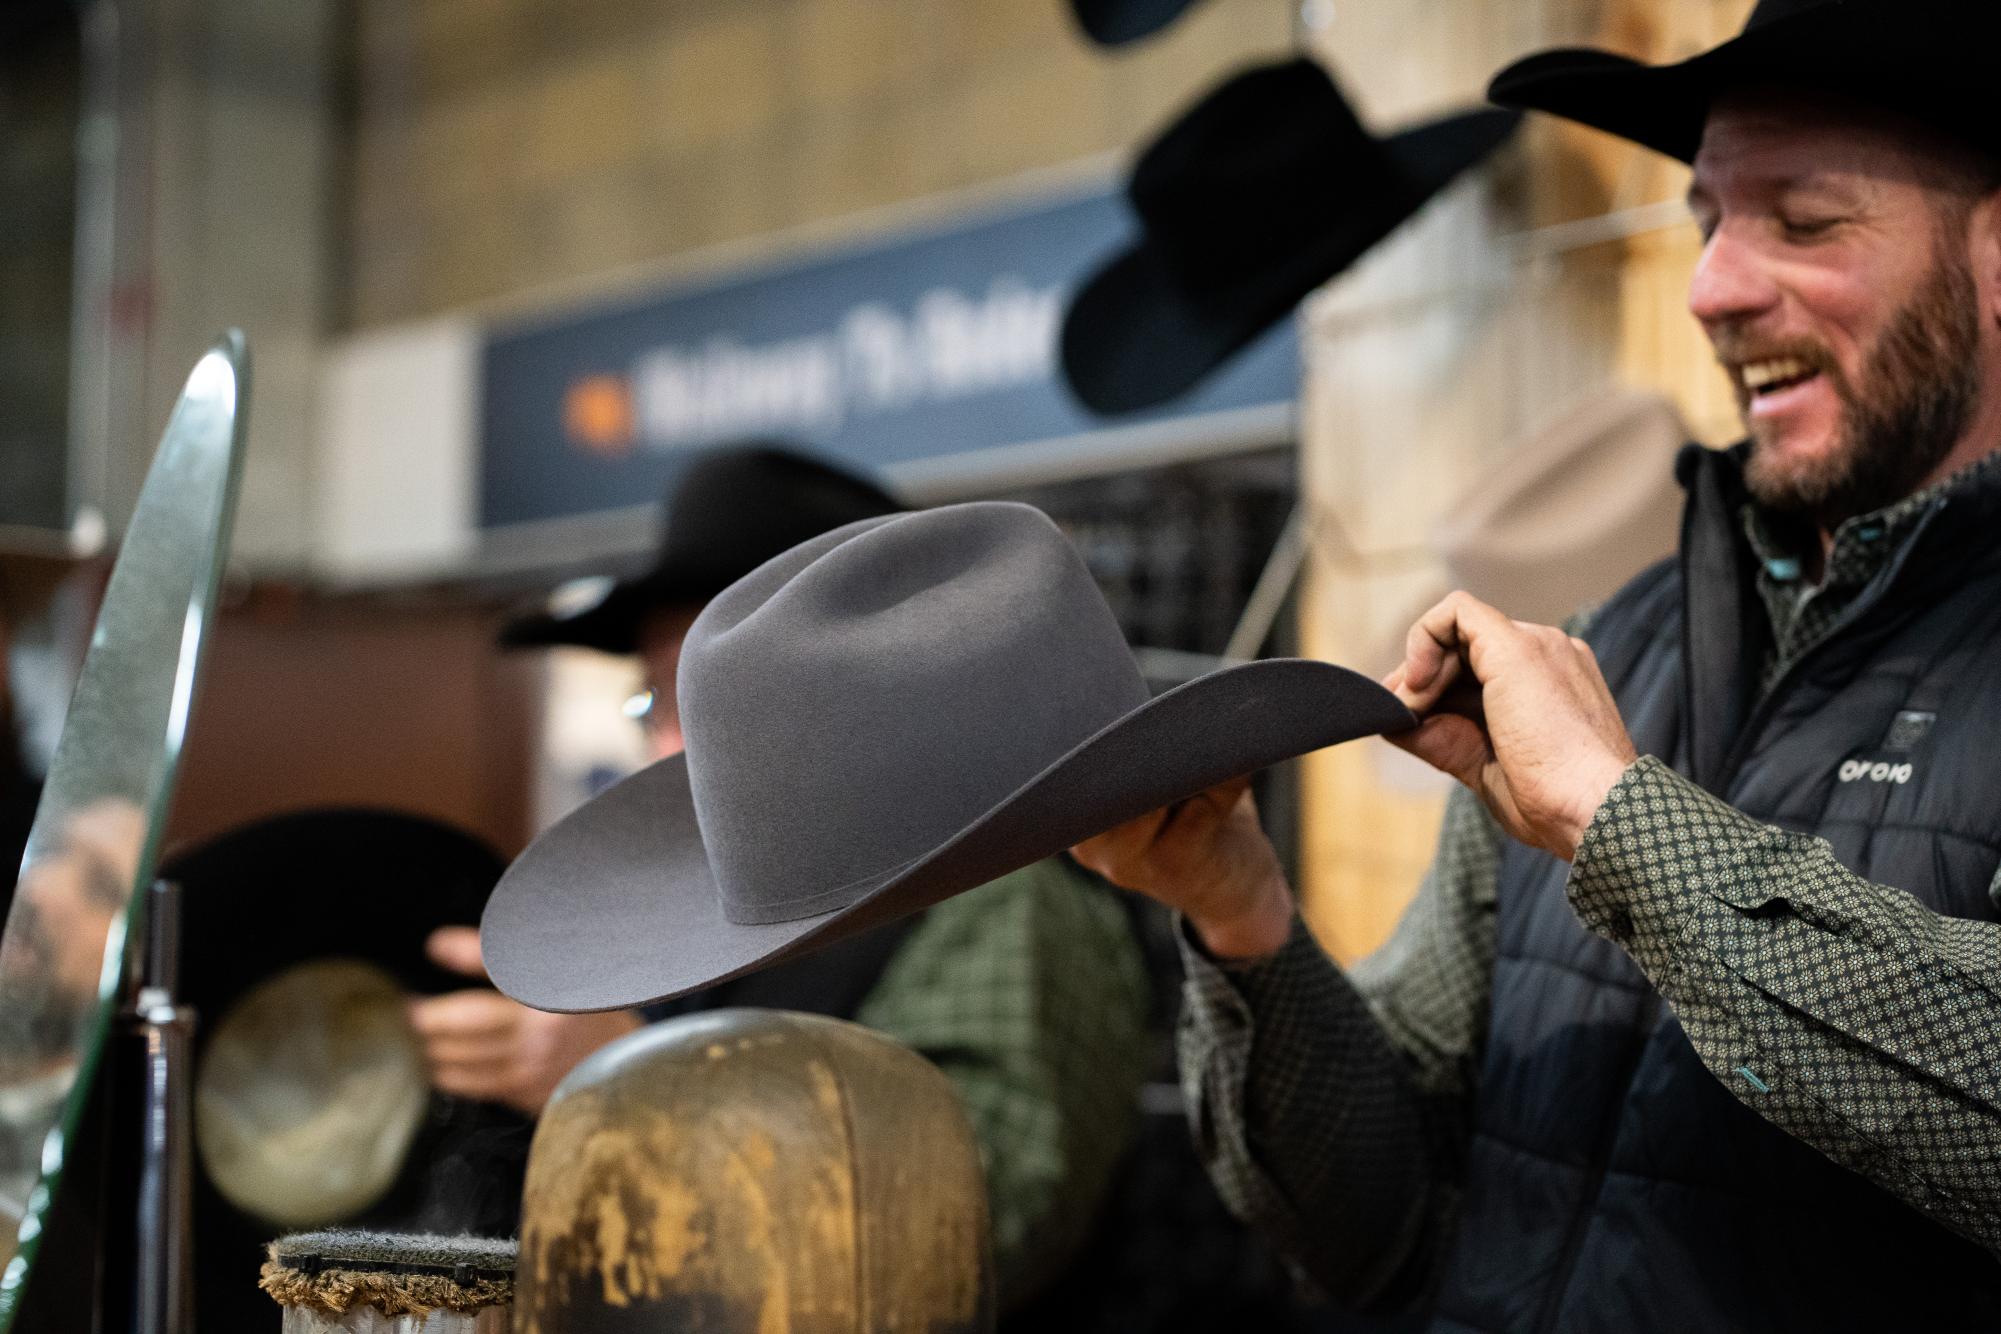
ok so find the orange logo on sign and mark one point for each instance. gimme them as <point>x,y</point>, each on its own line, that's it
<point>597,414</point>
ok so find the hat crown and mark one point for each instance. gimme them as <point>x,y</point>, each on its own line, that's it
<point>836,693</point>
<point>774,489</point>
<point>1278,136</point>
<point>737,507</point>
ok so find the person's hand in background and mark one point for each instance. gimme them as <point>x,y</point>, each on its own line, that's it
<point>480,1044</point>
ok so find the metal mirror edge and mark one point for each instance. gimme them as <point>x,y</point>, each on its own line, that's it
<point>97,829</point>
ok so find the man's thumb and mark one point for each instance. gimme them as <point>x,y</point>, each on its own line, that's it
<point>1451,744</point>
<point>456,948</point>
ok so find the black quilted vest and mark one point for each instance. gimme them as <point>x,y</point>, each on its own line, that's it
<point>1615,1184</point>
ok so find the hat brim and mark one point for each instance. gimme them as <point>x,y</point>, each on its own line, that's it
<point>1134,336</point>
<point>1116,22</point>
<point>613,623</point>
<point>615,905</point>
<point>1664,107</point>
<point>610,625</point>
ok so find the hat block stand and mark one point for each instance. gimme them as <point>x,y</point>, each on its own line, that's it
<point>747,1169</point>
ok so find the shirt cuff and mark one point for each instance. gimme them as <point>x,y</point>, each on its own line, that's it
<point>1657,841</point>
<point>1229,1003</point>
<point>1251,977</point>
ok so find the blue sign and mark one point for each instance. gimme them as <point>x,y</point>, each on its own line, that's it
<point>926,345</point>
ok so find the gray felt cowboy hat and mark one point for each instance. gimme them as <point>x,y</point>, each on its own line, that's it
<point>1931,59</point>
<point>882,717</point>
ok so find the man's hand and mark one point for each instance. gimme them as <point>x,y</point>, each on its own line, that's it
<point>1207,858</point>
<point>1519,713</point>
<point>479,1044</point>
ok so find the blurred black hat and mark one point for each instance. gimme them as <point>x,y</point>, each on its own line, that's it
<point>1928,58</point>
<point>1116,22</point>
<point>1265,190</point>
<point>289,897</point>
<point>731,511</point>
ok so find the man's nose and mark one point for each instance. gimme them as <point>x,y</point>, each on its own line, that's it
<point>1732,282</point>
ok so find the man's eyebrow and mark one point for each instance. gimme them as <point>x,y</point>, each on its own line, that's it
<point>1824,186</point>
<point>1811,183</point>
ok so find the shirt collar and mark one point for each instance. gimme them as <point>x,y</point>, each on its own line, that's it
<point>1861,544</point>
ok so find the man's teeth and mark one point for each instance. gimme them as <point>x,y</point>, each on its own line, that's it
<point>1761,374</point>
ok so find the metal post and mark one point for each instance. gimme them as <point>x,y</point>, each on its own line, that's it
<point>163,1284</point>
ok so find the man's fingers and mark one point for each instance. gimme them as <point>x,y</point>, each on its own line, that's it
<point>463,1014</point>
<point>1453,745</point>
<point>488,1070</point>
<point>456,948</point>
<point>1218,799</point>
<point>1449,635</point>
<point>469,1049</point>
<point>1427,645</point>
<point>1119,842</point>
<point>1137,837</point>
<point>482,1081</point>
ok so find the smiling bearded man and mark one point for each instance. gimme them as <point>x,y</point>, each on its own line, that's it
<point>1918,392</point>
<point>1695,1023</point>
<point>1828,443</point>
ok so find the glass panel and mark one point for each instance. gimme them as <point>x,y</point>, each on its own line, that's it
<point>98,827</point>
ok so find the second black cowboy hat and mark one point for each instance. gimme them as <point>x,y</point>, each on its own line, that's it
<point>1265,190</point>
<point>303,933</point>
<point>733,509</point>
<point>882,717</point>
<point>1931,59</point>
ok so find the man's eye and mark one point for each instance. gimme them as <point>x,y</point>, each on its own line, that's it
<point>1805,229</point>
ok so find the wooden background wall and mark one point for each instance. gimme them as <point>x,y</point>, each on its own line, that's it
<point>1558,271</point>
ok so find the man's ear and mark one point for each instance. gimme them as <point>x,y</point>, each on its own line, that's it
<point>1984,255</point>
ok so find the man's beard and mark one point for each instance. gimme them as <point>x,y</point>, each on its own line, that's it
<point>1916,395</point>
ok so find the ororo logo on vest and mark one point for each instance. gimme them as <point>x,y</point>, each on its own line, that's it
<point>1874,771</point>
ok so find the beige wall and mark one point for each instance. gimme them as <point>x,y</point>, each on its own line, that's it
<point>504,145</point>
<point>209,204</point>
<point>1466,333</point>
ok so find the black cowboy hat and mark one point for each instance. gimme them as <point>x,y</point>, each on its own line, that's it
<point>1927,58</point>
<point>1265,190</point>
<point>339,885</point>
<point>883,717</point>
<point>1116,22</point>
<point>733,509</point>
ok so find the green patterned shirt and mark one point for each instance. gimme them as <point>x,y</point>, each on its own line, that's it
<point>1802,612</point>
<point>1333,1108</point>
<point>1031,996</point>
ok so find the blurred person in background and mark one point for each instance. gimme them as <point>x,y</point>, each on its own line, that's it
<point>1029,994</point>
<point>27,584</point>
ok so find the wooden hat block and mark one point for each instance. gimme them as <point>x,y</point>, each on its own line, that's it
<point>754,1172</point>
